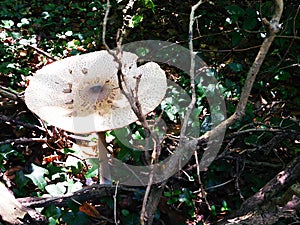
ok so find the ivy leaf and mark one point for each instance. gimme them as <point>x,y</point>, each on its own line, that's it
<point>93,171</point>
<point>135,20</point>
<point>53,212</point>
<point>235,10</point>
<point>7,24</point>
<point>125,212</point>
<point>37,176</point>
<point>250,23</point>
<point>251,140</point>
<point>56,190</point>
<point>77,218</point>
<point>72,187</point>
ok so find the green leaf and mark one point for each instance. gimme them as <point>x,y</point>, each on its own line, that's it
<point>213,210</point>
<point>172,200</point>
<point>125,212</point>
<point>7,24</point>
<point>93,171</point>
<point>282,76</point>
<point>236,67</point>
<point>5,151</point>
<point>37,176</point>
<point>250,23</point>
<point>53,211</point>
<point>52,221</point>
<point>296,150</point>
<point>56,190</point>
<point>131,219</point>
<point>138,135</point>
<point>168,194</point>
<point>72,161</point>
<point>21,180</point>
<point>251,140</point>
<point>78,218</point>
<point>236,38</point>
<point>72,187</point>
<point>149,4</point>
<point>135,21</point>
<point>235,10</point>
<point>177,192</point>
<point>186,197</point>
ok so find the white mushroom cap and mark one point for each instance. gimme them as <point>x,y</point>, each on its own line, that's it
<point>81,94</point>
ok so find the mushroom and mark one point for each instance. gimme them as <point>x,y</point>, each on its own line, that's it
<point>81,94</point>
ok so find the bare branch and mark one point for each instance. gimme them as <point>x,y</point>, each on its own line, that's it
<point>8,93</point>
<point>108,6</point>
<point>23,140</point>
<point>42,52</point>
<point>132,97</point>
<point>192,71</point>
<point>115,204</point>
<point>6,119</point>
<point>252,73</point>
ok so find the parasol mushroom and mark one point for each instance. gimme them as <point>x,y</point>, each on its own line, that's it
<point>81,94</point>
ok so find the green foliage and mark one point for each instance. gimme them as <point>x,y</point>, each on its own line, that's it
<point>225,36</point>
<point>130,219</point>
<point>75,218</point>
<point>148,4</point>
<point>6,151</point>
<point>182,196</point>
<point>37,176</point>
<point>213,210</point>
<point>53,213</point>
<point>224,206</point>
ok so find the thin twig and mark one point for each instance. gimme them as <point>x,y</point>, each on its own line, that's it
<point>203,193</point>
<point>8,93</point>
<point>108,6</point>
<point>42,52</point>
<point>230,50</point>
<point>252,73</point>
<point>145,200</point>
<point>6,119</point>
<point>23,140</point>
<point>192,72</point>
<point>131,95</point>
<point>115,203</point>
<point>271,130</point>
<point>237,177</point>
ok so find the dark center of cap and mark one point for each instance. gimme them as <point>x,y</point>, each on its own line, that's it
<point>97,89</point>
<point>99,92</point>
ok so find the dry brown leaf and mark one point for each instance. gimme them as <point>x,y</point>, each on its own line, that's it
<point>89,210</point>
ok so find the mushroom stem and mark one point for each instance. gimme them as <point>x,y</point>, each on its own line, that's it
<point>104,176</point>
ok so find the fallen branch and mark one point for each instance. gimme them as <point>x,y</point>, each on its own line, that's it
<point>6,119</point>
<point>94,192</point>
<point>284,179</point>
<point>267,197</point>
